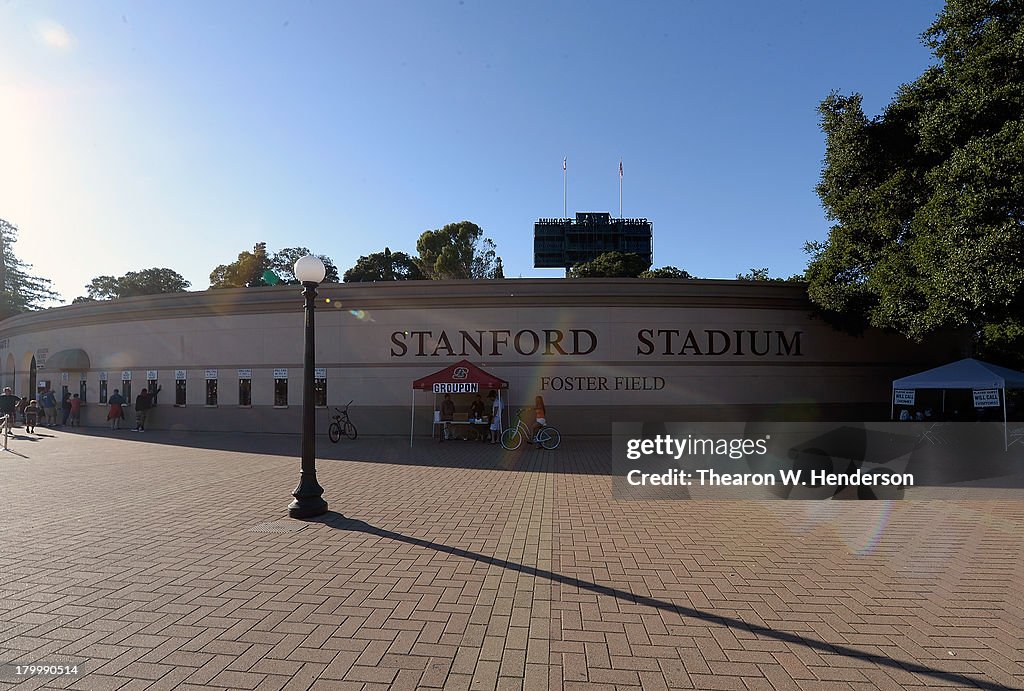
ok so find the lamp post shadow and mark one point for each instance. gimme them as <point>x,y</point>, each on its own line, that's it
<point>338,521</point>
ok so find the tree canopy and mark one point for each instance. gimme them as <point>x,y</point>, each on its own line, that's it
<point>258,268</point>
<point>665,272</point>
<point>459,250</point>
<point>612,265</point>
<point>762,274</point>
<point>19,290</point>
<point>927,199</point>
<point>146,282</point>
<point>384,266</point>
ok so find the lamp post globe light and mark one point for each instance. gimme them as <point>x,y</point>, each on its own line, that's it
<point>309,501</point>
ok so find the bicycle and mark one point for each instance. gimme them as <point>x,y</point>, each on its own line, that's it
<point>340,424</point>
<point>512,438</point>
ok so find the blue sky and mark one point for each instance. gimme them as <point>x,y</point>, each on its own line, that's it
<point>140,134</point>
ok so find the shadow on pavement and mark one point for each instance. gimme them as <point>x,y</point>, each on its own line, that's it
<point>337,520</point>
<point>596,458</point>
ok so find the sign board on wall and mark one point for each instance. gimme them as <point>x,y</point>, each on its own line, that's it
<point>320,373</point>
<point>64,378</point>
<point>126,375</point>
<point>103,376</point>
<point>151,374</point>
<point>245,374</point>
<point>986,398</point>
<point>281,373</point>
<point>211,374</point>
<point>903,396</point>
<point>179,375</point>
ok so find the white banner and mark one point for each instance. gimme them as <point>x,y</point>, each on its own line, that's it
<point>211,374</point>
<point>126,375</point>
<point>459,387</point>
<point>320,373</point>
<point>179,375</point>
<point>903,396</point>
<point>281,373</point>
<point>152,374</point>
<point>103,376</point>
<point>986,398</point>
<point>245,374</point>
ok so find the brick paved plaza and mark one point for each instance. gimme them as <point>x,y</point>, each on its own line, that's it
<point>147,560</point>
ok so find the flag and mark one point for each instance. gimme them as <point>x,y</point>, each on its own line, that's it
<point>620,167</point>
<point>564,161</point>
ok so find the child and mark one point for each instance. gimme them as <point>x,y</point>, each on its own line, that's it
<point>31,416</point>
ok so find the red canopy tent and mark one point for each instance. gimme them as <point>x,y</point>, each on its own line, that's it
<point>461,377</point>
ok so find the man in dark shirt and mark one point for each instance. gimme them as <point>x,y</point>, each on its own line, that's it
<point>143,402</point>
<point>8,405</point>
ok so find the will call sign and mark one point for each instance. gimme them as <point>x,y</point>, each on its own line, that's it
<point>558,342</point>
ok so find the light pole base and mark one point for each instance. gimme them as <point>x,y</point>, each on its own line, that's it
<point>309,501</point>
<point>307,507</point>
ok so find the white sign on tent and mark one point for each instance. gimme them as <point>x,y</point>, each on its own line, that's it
<point>903,396</point>
<point>986,398</point>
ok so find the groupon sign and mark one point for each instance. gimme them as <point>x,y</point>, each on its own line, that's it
<point>986,398</point>
<point>903,397</point>
<point>456,387</point>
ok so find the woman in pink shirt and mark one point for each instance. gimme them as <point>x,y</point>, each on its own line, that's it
<point>76,411</point>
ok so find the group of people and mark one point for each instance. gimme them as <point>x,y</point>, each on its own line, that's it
<point>477,410</point>
<point>144,402</point>
<point>43,408</point>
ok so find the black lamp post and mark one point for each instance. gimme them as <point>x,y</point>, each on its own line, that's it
<point>309,501</point>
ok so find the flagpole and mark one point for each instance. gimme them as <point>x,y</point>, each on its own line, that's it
<point>620,188</point>
<point>565,187</point>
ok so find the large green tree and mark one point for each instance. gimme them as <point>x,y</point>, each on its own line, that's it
<point>250,270</point>
<point>146,282</point>
<point>20,291</point>
<point>612,265</point>
<point>283,265</point>
<point>459,250</point>
<point>928,198</point>
<point>259,268</point>
<point>384,266</point>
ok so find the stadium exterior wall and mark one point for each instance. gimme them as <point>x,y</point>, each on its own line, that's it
<point>598,350</point>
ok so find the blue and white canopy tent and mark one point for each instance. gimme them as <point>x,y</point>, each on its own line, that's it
<point>964,374</point>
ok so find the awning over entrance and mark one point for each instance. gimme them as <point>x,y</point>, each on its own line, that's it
<point>462,377</point>
<point>71,360</point>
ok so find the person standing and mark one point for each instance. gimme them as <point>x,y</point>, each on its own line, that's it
<point>49,403</point>
<point>496,408</point>
<point>9,406</point>
<point>22,404</point>
<point>65,409</point>
<point>116,412</point>
<point>447,415</point>
<point>539,416</point>
<point>143,402</point>
<point>76,411</point>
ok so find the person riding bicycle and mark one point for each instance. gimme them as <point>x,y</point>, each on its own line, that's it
<point>8,406</point>
<point>539,416</point>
